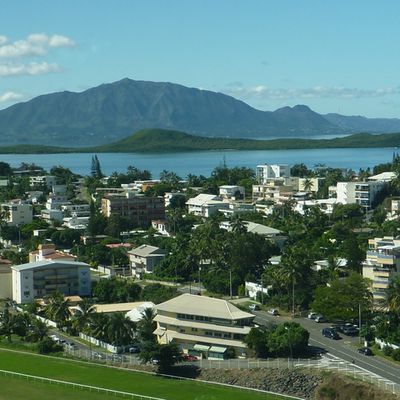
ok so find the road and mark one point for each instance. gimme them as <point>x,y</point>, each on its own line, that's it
<point>346,348</point>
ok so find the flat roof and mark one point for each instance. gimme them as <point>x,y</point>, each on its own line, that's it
<point>48,264</point>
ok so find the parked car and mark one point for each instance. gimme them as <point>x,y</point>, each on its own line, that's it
<point>189,357</point>
<point>330,333</point>
<point>134,349</point>
<point>312,315</point>
<point>366,351</point>
<point>350,331</point>
<point>320,318</point>
<point>254,307</point>
<point>273,311</point>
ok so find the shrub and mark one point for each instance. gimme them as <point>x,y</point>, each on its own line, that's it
<point>396,355</point>
<point>387,350</point>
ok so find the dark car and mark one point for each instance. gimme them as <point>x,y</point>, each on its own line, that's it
<point>366,351</point>
<point>134,349</point>
<point>350,330</point>
<point>330,333</point>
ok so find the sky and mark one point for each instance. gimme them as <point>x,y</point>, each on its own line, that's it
<point>339,56</point>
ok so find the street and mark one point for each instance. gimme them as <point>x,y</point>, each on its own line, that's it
<point>345,348</point>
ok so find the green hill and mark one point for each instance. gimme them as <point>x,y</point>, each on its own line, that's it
<point>166,141</point>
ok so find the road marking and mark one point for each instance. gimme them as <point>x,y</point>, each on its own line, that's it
<point>359,359</point>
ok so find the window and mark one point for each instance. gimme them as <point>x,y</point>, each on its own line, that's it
<point>208,333</point>
<point>227,335</point>
<point>217,334</point>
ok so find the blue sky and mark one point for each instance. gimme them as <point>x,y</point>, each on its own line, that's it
<point>339,56</point>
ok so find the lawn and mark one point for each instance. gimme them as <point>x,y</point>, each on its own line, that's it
<point>19,389</point>
<point>110,378</point>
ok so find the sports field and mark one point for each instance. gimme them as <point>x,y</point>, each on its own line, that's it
<point>100,376</point>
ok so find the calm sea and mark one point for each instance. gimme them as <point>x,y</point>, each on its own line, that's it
<point>202,163</point>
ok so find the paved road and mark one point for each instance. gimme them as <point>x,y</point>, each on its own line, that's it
<point>346,348</point>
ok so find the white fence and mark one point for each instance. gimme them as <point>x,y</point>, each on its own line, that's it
<point>77,385</point>
<point>109,347</point>
<point>381,343</point>
<point>323,363</point>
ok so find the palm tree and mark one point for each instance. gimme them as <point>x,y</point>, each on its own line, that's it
<point>58,309</point>
<point>97,326</point>
<point>307,184</point>
<point>84,310</point>
<point>120,329</point>
<point>393,295</point>
<point>238,225</point>
<point>146,326</point>
<point>38,330</point>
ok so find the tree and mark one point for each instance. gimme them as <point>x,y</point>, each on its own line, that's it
<point>288,339</point>
<point>393,295</point>
<point>83,312</point>
<point>5,169</point>
<point>166,355</point>
<point>256,340</point>
<point>38,330</point>
<point>58,309</point>
<point>119,329</point>
<point>342,299</point>
<point>96,168</point>
<point>158,293</point>
<point>146,326</point>
<point>307,184</point>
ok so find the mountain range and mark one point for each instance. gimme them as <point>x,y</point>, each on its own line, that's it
<point>111,112</point>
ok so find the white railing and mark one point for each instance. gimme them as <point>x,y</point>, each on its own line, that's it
<point>78,385</point>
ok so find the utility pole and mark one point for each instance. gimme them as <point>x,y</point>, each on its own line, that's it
<point>359,321</point>
<point>200,280</point>
<point>230,281</point>
<point>293,293</point>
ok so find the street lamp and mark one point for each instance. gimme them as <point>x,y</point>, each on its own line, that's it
<point>200,280</point>
<point>289,330</point>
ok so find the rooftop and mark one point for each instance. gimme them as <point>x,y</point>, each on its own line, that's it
<point>145,251</point>
<point>117,307</point>
<point>48,264</point>
<point>203,306</point>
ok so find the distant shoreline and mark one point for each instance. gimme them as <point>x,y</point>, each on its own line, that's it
<point>164,141</point>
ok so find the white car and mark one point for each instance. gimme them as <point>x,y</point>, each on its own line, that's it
<point>273,311</point>
<point>254,307</point>
<point>312,315</point>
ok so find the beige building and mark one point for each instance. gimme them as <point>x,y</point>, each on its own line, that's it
<point>5,279</point>
<point>17,213</point>
<point>203,326</point>
<point>381,264</point>
<point>48,252</point>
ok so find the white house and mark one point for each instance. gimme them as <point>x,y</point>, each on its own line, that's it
<point>204,205</point>
<point>232,192</point>
<point>17,213</point>
<point>267,172</point>
<point>38,279</point>
<point>42,180</point>
<point>362,193</point>
<point>144,258</point>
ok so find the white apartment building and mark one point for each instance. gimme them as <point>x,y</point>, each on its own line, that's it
<point>145,258</point>
<point>266,172</point>
<point>204,205</point>
<point>42,180</point>
<point>362,193</point>
<point>232,192</point>
<point>42,278</point>
<point>381,264</point>
<point>17,213</point>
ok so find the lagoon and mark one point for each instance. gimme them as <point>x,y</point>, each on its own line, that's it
<point>202,163</point>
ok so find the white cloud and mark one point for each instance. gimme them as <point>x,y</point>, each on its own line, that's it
<point>33,68</point>
<point>8,97</point>
<point>264,92</point>
<point>36,44</point>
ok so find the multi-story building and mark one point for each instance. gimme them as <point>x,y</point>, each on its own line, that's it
<point>381,264</point>
<point>144,258</point>
<point>203,326</point>
<point>232,192</point>
<point>17,213</point>
<point>46,181</point>
<point>42,278</point>
<point>204,205</point>
<point>362,193</point>
<point>265,172</point>
<point>48,252</point>
<point>140,209</point>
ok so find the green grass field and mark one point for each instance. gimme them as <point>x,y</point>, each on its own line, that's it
<point>109,378</point>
